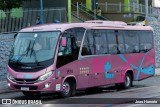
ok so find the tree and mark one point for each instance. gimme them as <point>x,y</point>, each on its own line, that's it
<point>9,4</point>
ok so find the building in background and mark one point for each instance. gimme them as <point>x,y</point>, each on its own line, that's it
<point>123,10</point>
<point>156,3</point>
<point>48,4</point>
<point>119,10</point>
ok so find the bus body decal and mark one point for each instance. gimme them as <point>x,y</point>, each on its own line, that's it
<point>148,70</point>
<point>28,76</point>
<point>123,58</point>
<point>107,68</point>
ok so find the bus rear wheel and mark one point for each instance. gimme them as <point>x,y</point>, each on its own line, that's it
<point>68,89</point>
<point>128,82</point>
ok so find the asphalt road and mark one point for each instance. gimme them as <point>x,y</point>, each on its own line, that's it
<point>149,88</point>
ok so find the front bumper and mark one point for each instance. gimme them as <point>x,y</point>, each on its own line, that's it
<point>43,86</point>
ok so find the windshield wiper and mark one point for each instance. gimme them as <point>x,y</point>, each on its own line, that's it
<point>17,60</point>
<point>35,57</point>
<point>26,53</point>
<point>28,48</point>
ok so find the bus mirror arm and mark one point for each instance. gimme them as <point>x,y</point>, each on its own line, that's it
<point>15,35</point>
<point>64,42</point>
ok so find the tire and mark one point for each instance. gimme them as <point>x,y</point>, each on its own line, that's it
<point>30,94</point>
<point>68,89</point>
<point>127,81</point>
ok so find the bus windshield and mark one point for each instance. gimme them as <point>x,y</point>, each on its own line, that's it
<point>34,48</point>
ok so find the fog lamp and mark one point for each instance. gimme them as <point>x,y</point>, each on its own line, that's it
<point>47,85</point>
<point>9,84</point>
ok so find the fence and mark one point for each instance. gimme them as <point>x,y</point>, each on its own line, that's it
<point>11,21</point>
<point>122,8</point>
<point>81,12</point>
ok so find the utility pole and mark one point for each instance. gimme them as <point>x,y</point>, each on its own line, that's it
<point>95,9</point>
<point>146,8</point>
<point>4,5</point>
<point>41,10</point>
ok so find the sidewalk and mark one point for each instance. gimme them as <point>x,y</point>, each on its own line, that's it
<point>157,71</point>
<point>4,86</point>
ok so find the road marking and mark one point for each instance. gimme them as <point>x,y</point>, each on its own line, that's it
<point>135,105</point>
<point>27,105</point>
<point>137,88</point>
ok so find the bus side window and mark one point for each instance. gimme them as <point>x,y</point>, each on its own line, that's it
<point>145,41</point>
<point>113,48</point>
<point>101,45</point>
<point>112,42</point>
<point>121,46</point>
<point>77,35</point>
<point>88,46</point>
<point>131,41</point>
<point>66,54</point>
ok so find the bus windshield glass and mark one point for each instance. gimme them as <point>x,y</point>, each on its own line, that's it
<point>34,47</point>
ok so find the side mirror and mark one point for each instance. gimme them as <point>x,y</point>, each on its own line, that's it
<point>64,42</point>
<point>15,35</point>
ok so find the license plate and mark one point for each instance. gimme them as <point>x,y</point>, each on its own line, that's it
<point>25,88</point>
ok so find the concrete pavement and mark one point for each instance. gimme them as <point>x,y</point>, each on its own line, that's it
<point>4,87</point>
<point>157,71</point>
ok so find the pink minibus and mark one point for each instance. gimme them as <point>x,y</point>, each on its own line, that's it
<point>63,58</point>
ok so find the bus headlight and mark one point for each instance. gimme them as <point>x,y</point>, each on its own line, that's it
<point>10,77</point>
<point>45,76</point>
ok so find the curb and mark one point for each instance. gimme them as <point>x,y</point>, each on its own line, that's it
<point>8,91</point>
<point>157,71</point>
<point>4,88</point>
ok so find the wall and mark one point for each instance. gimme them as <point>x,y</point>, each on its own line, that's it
<point>155,24</point>
<point>6,43</point>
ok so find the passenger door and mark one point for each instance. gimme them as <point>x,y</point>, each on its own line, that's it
<point>67,61</point>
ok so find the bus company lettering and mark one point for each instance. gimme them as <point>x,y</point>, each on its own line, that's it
<point>69,71</point>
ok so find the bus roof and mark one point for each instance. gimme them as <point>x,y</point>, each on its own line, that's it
<point>95,24</point>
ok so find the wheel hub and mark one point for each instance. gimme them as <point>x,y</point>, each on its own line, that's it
<point>66,88</point>
<point>127,81</point>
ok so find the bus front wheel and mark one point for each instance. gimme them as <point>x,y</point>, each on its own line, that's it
<point>68,89</point>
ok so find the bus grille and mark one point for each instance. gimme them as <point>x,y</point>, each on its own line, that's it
<point>25,81</point>
<point>30,87</point>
